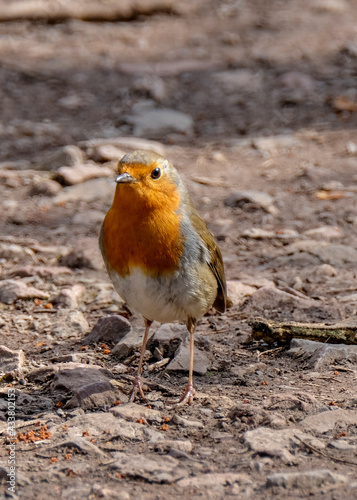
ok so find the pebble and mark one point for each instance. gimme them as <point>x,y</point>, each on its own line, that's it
<point>181,360</point>
<point>129,343</point>
<point>250,198</point>
<point>94,189</point>
<point>159,122</point>
<point>238,291</point>
<point>282,443</point>
<point>184,422</point>
<point>123,143</point>
<point>68,176</point>
<point>76,260</point>
<point>13,290</point>
<point>271,146</point>
<point>69,323</point>
<point>325,233</point>
<point>11,361</point>
<point>66,156</point>
<point>333,254</point>
<point>89,386</point>
<point>45,187</point>
<point>133,412</point>
<point>343,445</point>
<point>214,479</point>
<point>151,468</point>
<point>107,152</point>
<point>327,420</point>
<point>325,270</point>
<point>108,329</point>
<point>321,355</point>
<point>70,298</point>
<point>14,253</point>
<point>41,271</point>
<point>304,480</point>
<point>238,80</point>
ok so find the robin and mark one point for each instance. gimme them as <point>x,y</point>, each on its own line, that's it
<point>159,254</point>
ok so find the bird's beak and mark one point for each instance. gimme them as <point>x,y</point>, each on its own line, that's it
<point>125,178</point>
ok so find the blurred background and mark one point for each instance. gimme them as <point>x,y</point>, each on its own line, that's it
<point>181,71</point>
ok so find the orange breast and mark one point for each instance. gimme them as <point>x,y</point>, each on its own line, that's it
<point>142,230</point>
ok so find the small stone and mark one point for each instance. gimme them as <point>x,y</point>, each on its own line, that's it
<point>326,270</point>
<point>152,468</point>
<point>184,422</point>
<point>11,361</point>
<point>107,152</point>
<point>181,361</point>
<point>278,443</point>
<point>70,298</point>
<point>108,329</point>
<point>335,255</point>
<point>304,480</point>
<point>327,420</point>
<point>124,143</point>
<point>238,80</point>
<point>296,86</point>
<point>214,479</point>
<point>331,6</point>
<point>92,190</point>
<point>271,146</point>
<point>156,122</point>
<point>182,445</point>
<point>45,187</point>
<point>322,355</point>
<point>326,233</point>
<point>89,385</point>
<point>238,291</point>
<point>41,271</point>
<point>76,260</point>
<point>133,412</point>
<point>69,323</point>
<point>252,199</point>
<point>65,156</point>
<point>68,176</point>
<point>13,252</point>
<point>130,343</point>
<point>13,290</point>
<point>89,218</point>
<point>343,445</point>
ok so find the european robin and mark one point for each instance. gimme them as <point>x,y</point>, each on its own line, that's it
<point>159,254</point>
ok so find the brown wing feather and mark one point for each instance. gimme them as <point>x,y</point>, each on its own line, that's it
<point>216,262</point>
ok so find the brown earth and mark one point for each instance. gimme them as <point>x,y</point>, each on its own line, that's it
<point>271,90</point>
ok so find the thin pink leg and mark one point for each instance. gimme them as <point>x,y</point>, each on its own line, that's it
<point>137,386</point>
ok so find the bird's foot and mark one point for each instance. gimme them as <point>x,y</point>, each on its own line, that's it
<point>137,388</point>
<point>186,398</point>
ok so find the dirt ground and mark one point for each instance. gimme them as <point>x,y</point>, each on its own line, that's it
<point>270,88</point>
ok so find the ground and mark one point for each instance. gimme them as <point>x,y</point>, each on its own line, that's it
<point>267,92</point>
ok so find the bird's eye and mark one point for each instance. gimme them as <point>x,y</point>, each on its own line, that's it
<point>156,173</point>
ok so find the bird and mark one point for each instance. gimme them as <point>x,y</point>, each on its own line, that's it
<point>158,252</point>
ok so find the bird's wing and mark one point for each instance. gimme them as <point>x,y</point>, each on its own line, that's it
<point>215,263</point>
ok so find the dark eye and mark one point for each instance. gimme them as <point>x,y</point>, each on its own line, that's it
<point>156,173</point>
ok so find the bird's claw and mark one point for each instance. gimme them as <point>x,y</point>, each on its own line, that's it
<point>186,398</point>
<point>137,388</point>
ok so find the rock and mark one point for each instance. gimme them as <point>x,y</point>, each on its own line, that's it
<point>251,199</point>
<point>13,290</point>
<point>238,80</point>
<point>331,6</point>
<point>335,255</point>
<point>326,233</point>
<point>94,189</point>
<point>326,270</point>
<point>304,480</point>
<point>69,324</point>
<point>282,443</point>
<point>322,355</point>
<point>130,343</point>
<point>181,445</point>
<point>184,422</point>
<point>133,412</point>
<point>76,260</point>
<point>41,271</point>
<point>214,479</point>
<point>107,152</point>
<point>295,86</point>
<point>181,361</point>
<point>343,445</point>
<point>327,420</point>
<point>126,143</point>
<point>89,218</point>
<point>65,156</point>
<point>153,85</point>
<point>238,291</point>
<point>79,442</point>
<point>159,122</point>
<point>89,385</point>
<point>261,234</point>
<point>70,298</point>
<point>11,361</point>
<point>68,176</point>
<point>152,468</point>
<point>271,146</point>
<point>13,252</point>
<point>272,303</point>
<point>45,187</point>
<point>108,329</point>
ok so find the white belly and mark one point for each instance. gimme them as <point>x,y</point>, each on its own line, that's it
<point>164,299</point>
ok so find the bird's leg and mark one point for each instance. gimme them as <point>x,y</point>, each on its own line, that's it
<point>189,393</point>
<point>137,386</point>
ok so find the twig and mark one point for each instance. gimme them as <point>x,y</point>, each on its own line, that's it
<point>276,349</point>
<point>326,455</point>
